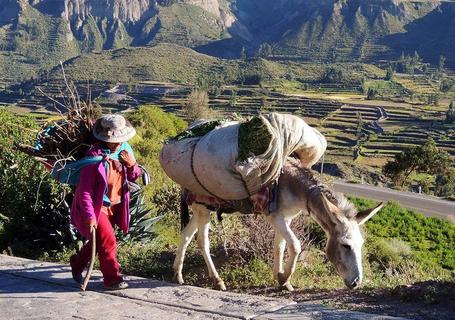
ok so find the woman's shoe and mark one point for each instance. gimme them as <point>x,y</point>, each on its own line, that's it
<point>118,286</point>
<point>76,275</point>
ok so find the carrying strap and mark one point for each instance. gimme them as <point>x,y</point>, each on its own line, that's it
<point>69,171</point>
<point>107,154</point>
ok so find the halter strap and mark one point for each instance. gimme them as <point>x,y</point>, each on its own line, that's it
<point>311,191</point>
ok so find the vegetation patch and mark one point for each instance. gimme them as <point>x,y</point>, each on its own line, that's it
<point>254,138</point>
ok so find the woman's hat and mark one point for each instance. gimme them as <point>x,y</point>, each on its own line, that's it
<point>113,128</point>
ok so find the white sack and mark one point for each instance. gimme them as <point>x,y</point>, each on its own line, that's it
<point>215,170</point>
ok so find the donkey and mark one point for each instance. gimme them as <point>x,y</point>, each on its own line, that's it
<point>299,192</point>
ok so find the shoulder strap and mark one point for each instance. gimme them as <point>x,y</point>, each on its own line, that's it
<point>69,172</point>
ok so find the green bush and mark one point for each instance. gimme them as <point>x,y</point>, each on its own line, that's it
<point>34,219</point>
<point>388,254</point>
<point>432,240</point>
<point>255,273</point>
<point>153,126</point>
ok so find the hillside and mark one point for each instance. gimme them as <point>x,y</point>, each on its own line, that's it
<point>351,29</point>
<point>168,63</point>
<point>163,62</point>
<point>42,33</point>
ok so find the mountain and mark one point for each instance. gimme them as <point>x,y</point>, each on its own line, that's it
<point>47,31</point>
<point>351,29</point>
<point>36,34</point>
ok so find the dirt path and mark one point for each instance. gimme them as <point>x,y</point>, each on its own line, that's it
<point>430,300</point>
<point>34,289</point>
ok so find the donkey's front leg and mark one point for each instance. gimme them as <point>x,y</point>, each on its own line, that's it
<point>278,254</point>
<point>187,234</point>
<point>204,244</point>
<point>281,226</point>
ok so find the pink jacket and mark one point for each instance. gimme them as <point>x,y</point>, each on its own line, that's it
<point>88,197</point>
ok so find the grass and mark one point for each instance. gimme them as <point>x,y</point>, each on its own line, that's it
<point>401,247</point>
<point>187,25</point>
<point>393,256</point>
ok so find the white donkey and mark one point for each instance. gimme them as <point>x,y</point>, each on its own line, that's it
<point>298,192</point>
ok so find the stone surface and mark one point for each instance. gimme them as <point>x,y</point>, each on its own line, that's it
<point>310,311</point>
<point>39,290</point>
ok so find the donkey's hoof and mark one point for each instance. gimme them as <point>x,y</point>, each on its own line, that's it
<point>282,280</point>
<point>287,286</point>
<point>219,285</point>
<point>178,278</point>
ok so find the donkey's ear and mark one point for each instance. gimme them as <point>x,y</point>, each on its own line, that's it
<point>365,215</point>
<point>332,210</point>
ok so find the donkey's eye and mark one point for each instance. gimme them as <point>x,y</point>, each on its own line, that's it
<point>346,246</point>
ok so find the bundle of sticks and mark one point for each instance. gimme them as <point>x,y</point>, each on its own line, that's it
<point>69,137</point>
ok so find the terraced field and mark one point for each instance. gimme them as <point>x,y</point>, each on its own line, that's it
<point>386,127</point>
<point>417,84</point>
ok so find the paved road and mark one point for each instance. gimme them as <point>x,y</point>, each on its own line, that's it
<point>429,206</point>
<point>38,290</point>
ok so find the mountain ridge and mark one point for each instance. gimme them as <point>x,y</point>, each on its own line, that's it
<point>44,32</point>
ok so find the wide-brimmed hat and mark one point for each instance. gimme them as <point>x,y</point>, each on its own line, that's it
<point>113,128</point>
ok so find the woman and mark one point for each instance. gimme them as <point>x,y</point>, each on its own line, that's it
<point>101,199</point>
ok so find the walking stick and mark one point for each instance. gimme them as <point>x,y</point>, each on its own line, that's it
<point>92,260</point>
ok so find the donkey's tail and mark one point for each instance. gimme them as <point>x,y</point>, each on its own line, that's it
<point>184,212</point>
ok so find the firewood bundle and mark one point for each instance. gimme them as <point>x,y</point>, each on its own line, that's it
<point>69,137</point>
<point>66,139</point>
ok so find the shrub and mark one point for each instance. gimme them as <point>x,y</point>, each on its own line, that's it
<point>153,126</point>
<point>335,75</point>
<point>34,218</point>
<point>431,239</point>
<point>253,237</point>
<point>388,254</point>
<point>197,105</point>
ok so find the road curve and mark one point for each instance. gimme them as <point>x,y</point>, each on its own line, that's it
<point>427,205</point>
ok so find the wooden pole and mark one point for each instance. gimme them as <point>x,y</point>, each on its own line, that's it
<point>92,260</point>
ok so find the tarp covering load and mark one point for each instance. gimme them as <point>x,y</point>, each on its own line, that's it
<point>233,160</point>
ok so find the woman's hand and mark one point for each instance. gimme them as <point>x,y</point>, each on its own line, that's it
<point>92,224</point>
<point>127,159</point>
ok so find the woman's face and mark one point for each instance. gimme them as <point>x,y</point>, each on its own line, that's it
<point>113,146</point>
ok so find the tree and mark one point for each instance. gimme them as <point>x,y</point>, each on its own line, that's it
<point>335,75</point>
<point>243,54</point>
<point>203,84</point>
<point>252,77</point>
<point>441,63</point>
<point>359,125</point>
<point>426,159</point>
<point>450,114</point>
<point>433,98</point>
<point>197,105</point>
<point>416,60</point>
<point>264,51</point>
<point>371,94</point>
<point>33,220</point>
<point>233,98</point>
<point>390,73</point>
<point>446,85</point>
<point>445,183</point>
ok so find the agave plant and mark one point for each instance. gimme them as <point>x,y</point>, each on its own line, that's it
<point>141,222</point>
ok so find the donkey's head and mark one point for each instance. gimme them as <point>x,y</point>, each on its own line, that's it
<point>342,222</point>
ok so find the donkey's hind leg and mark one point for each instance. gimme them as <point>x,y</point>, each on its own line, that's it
<point>185,239</point>
<point>203,215</point>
